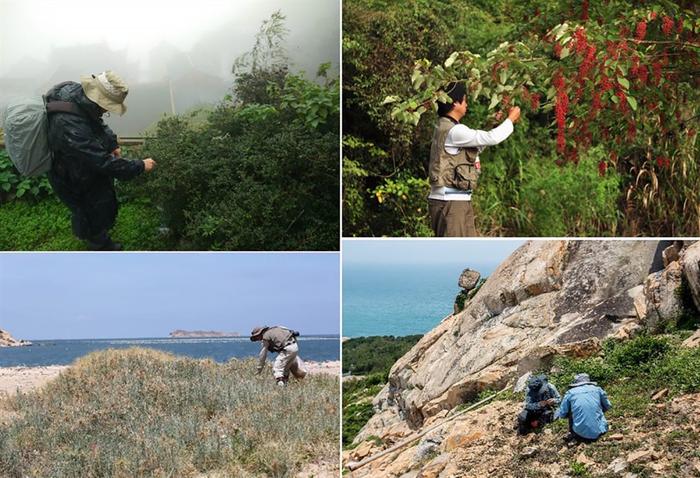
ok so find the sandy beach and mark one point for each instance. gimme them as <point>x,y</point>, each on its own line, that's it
<point>25,379</point>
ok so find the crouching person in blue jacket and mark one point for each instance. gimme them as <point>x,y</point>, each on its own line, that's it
<point>584,404</point>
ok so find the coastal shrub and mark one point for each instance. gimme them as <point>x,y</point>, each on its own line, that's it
<point>141,412</point>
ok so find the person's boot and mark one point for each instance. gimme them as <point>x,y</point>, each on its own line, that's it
<point>102,242</point>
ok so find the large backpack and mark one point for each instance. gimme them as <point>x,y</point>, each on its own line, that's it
<point>27,132</point>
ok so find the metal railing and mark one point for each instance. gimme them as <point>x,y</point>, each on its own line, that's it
<point>122,140</point>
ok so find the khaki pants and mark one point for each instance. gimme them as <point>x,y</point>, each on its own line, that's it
<point>452,218</point>
<point>288,361</point>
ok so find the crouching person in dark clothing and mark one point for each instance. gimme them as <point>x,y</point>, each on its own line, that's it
<point>86,156</point>
<point>540,401</point>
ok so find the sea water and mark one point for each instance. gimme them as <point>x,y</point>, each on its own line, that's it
<point>403,299</point>
<point>63,352</point>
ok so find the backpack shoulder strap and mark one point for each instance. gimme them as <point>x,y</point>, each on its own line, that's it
<point>63,107</point>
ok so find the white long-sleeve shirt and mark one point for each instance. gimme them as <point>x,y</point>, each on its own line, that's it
<point>461,136</point>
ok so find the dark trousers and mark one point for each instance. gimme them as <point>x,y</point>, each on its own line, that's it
<point>452,218</point>
<point>93,208</point>
<point>526,417</point>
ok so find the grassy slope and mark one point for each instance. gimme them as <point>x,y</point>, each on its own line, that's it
<point>45,226</point>
<point>146,413</point>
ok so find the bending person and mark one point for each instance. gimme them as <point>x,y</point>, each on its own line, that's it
<point>282,341</point>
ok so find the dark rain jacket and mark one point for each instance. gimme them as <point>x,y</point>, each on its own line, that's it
<point>83,168</point>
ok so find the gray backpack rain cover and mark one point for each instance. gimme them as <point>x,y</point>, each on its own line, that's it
<point>27,136</point>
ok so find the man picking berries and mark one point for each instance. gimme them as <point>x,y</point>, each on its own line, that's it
<point>454,164</point>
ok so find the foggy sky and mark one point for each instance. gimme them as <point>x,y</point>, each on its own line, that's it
<point>150,42</point>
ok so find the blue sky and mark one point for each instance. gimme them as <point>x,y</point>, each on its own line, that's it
<point>480,254</point>
<point>65,296</point>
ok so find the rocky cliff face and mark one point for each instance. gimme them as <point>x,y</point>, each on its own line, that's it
<point>548,298</point>
<point>6,340</point>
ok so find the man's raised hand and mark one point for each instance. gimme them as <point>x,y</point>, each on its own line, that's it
<point>148,164</point>
<point>514,114</point>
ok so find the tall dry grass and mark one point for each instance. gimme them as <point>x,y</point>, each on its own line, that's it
<point>145,413</point>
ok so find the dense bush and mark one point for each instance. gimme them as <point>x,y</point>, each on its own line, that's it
<point>255,177</point>
<point>584,77</point>
<point>146,413</point>
<point>375,355</point>
<point>262,172</point>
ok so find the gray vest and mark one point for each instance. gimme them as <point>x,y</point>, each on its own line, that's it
<point>453,171</point>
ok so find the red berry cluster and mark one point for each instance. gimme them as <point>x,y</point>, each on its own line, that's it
<point>667,26</point>
<point>560,109</point>
<point>641,31</point>
<point>663,162</point>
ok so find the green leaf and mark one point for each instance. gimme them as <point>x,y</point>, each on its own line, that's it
<point>495,99</point>
<point>566,51</point>
<point>624,82</point>
<point>451,59</point>
<point>615,99</point>
<point>632,102</point>
<point>390,99</point>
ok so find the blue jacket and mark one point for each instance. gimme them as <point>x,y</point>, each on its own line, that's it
<point>587,405</point>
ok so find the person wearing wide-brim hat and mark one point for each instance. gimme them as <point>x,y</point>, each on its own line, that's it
<point>283,341</point>
<point>584,404</point>
<point>86,155</point>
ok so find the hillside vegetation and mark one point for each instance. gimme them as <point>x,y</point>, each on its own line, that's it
<point>648,436</point>
<point>140,412</point>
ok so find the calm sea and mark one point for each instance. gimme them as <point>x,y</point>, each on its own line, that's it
<point>398,299</point>
<point>63,352</point>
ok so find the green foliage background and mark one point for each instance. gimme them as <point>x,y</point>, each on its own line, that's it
<point>525,189</point>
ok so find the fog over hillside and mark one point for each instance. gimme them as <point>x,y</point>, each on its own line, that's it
<point>156,46</point>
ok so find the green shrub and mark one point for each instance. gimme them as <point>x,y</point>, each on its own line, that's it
<point>375,355</point>
<point>14,186</point>
<point>240,184</point>
<point>631,371</point>
<point>146,413</point>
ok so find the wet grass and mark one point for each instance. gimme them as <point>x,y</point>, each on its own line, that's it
<point>141,412</point>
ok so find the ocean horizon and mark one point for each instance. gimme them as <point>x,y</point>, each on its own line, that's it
<point>399,300</point>
<point>317,348</point>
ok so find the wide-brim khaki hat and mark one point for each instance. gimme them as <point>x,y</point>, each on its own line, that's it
<point>257,331</point>
<point>107,90</point>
